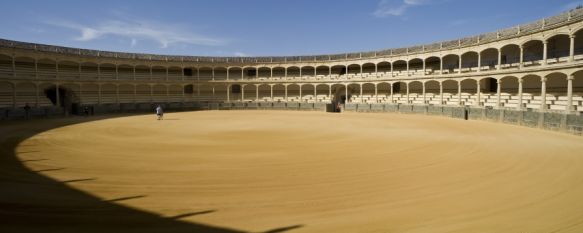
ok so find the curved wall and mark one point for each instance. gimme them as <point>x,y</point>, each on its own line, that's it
<point>535,66</point>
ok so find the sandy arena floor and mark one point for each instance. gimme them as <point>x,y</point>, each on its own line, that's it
<point>279,171</point>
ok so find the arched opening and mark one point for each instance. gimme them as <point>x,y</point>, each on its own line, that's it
<point>107,71</point>
<point>399,67</point>
<point>220,73</point>
<point>533,52</point>
<point>109,93</point>
<point>308,71</point>
<point>293,72</point>
<point>450,92</point>
<point>125,72</point>
<point>338,70</point>
<point>63,96</point>
<point>531,91</point>
<point>451,63</point>
<point>368,68</point>
<point>322,93</point>
<point>143,93</point>
<point>264,93</point>
<point>250,92</point>
<point>415,66</point>
<point>340,94</point>
<point>293,93</point>
<point>368,93</point>
<point>142,72</point>
<point>509,91</point>
<point>510,56</point>
<point>469,88</point>
<point>354,69</point>
<point>578,90</point>
<point>416,92</point>
<point>204,93</point>
<point>278,92</point>
<point>47,69</point>
<point>89,71</point>
<point>235,73</point>
<point>308,93</point>
<point>25,94</point>
<point>558,47</point>
<point>126,93</point>
<point>175,93</point>
<point>432,92</point>
<point>221,93</point>
<point>489,59</point>
<point>384,91</point>
<point>470,62</point>
<point>264,72</point>
<point>578,44</point>
<point>25,67</point>
<point>159,73</point>
<point>278,73</point>
<point>432,65</point>
<point>322,70</point>
<point>354,92</point>
<point>68,70</point>
<point>205,73</point>
<point>400,93</point>
<point>384,67</point>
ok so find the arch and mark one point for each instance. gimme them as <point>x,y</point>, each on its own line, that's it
<point>278,72</point>
<point>415,66</point>
<point>293,71</point>
<point>68,70</point>
<point>432,86</point>
<point>384,67</point>
<point>235,73</point>
<point>509,85</point>
<point>338,70</point>
<point>416,87</point>
<point>578,86</point>
<point>308,71</point>
<point>323,70</point>
<point>354,92</point>
<point>142,72</point>
<point>220,73</point>
<point>368,92</point>
<point>450,63</point>
<point>293,92</point>
<point>368,68</point>
<point>450,87</point>
<point>469,61</point>
<point>124,71</point>
<point>533,52</point>
<point>353,69</point>
<point>400,67</point>
<point>322,93</point>
<point>432,64</point>
<point>384,91</point>
<point>264,72</point>
<point>278,92</point>
<point>556,84</point>
<point>558,46</point>
<point>264,92</point>
<point>488,59</point>
<point>307,93</point>
<point>24,67</point>
<point>531,84</point>
<point>126,93</point>
<point>205,73</point>
<point>469,86</point>
<point>578,43</point>
<point>510,55</point>
<point>488,85</point>
<point>339,93</point>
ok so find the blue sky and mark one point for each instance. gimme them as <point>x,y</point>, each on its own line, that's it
<point>262,27</point>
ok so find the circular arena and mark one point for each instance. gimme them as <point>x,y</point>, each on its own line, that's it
<point>479,134</point>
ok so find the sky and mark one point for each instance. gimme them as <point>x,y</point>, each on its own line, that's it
<point>262,27</point>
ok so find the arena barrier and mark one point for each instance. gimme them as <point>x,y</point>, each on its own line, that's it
<point>554,121</point>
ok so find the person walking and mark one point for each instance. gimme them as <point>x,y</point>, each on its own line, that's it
<point>160,112</point>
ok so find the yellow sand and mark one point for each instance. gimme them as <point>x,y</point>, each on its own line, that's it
<point>318,172</point>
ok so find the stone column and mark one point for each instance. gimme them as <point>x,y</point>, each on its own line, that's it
<point>519,94</point>
<point>257,93</point>
<point>499,93</point>
<point>424,95</point>
<point>407,85</point>
<point>229,93</point>
<point>361,97</point>
<point>570,93</point>
<point>243,93</point>
<point>346,92</point>
<point>545,53</point>
<point>460,65</point>
<point>440,93</point>
<point>285,87</point>
<point>408,69</point>
<point>301,98</point>
<point>478,94</point>
<point>441,65</point>
<point>479,62</point>
<point>521,62</point>
<point>572,49</point>
<point>391,87</point>
<point>424,68</point>
<point>329,91</point>
<point>315,91</point>
<point>13,95</point>
<point>228,68</point>
<point>459,93</point>
<point>376,93</point>
<point>499,59</point>
<point>59,95</point>
<point>271,92</point>
<point>543,94</point>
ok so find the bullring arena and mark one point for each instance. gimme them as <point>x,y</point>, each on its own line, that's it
<point>480,134</point>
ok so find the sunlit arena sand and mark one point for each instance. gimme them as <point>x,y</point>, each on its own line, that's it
<point>307,172</point>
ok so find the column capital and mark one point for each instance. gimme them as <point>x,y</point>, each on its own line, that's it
<point>543,79</point>
<point>499,81</point>
<point>545,42</point>
<point>571,77</point>
<point>572,36</point>
<point>520,80</point>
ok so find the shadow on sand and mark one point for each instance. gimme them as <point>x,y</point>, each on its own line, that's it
<point>32,202</point>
